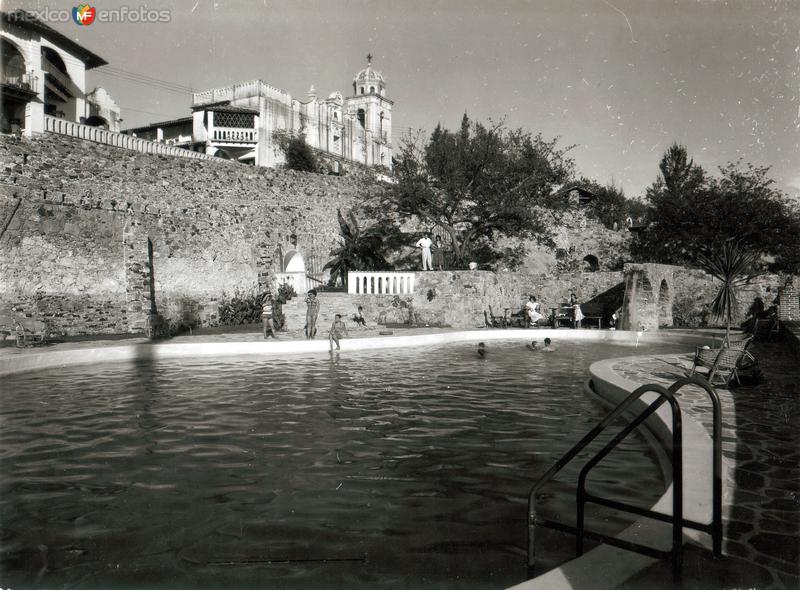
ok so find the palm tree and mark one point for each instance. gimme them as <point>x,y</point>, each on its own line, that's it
<point>360,250</point>
<point>732,265</point>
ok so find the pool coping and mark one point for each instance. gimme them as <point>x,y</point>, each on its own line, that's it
<point>38,358</point>
<point>602,567</point>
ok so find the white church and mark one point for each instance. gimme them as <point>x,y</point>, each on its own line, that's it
<point>240,122</point>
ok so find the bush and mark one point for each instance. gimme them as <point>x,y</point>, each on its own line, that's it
<point>241,309</point>
<point>298,154</point>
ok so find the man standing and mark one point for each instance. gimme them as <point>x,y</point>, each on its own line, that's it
<point>425,243</point>
<point>312,312</point>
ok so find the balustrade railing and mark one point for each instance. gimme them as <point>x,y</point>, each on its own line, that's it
<point>234,134</point>
<point>380,283</point>
<point>20,78</point>
<point>100,135</point>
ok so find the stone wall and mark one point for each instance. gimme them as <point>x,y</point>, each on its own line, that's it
<point>460,298</point>
<point>659,295</point>
<point>76,218</point>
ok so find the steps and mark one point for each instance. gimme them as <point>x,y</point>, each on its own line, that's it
<point>330,305</point>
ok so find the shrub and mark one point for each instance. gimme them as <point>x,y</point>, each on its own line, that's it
<point>241,309</point>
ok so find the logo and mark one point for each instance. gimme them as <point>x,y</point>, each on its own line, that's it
<point>84,14</point>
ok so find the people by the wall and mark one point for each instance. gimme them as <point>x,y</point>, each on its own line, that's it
<point>438,253</point>
<point>359,318</point>
<point>577,314</point>
<point>312,313</point>
<point>267,317</point>
<point>533,310</point>
<point>424,243</point>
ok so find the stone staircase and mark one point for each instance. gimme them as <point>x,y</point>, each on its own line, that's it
<point>330,305</point>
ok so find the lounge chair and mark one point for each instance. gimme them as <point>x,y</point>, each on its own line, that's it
<point>494,321</point>
<point>724,363</point>
<point>30,332</point>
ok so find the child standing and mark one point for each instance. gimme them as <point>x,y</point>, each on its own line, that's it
<point>267,317</point>
<point>338,330</point>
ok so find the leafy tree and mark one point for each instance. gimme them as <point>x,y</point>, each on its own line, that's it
<point>299,155</point>
<point>731,264</point>
<point>360,250</point>
<point>689,211</point>
<point>480,181</point>
<point>610,204</point>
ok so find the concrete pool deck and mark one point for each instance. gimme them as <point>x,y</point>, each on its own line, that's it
<point>761,439</point>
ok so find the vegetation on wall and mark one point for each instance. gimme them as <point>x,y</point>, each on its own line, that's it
<point>358,250</point>
<point>299,155</point>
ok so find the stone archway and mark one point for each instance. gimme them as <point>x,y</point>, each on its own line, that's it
<point>648,300</point>
<point>591,263</point>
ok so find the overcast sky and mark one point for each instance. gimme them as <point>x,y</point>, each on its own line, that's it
<point>621,79</point>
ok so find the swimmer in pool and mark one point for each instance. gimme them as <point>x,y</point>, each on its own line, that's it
<point>481,349</point>
<point>532,345</point>
<point>548,347</point>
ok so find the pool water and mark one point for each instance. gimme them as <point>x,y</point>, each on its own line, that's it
<point>405,468</point>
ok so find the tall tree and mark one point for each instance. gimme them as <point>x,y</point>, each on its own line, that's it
<point>690,211</point>
<point>480,181</point>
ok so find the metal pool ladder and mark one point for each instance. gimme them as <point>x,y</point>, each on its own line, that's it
<point>676,519</point>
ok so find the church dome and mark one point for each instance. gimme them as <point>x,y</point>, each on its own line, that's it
<point>369,80</point>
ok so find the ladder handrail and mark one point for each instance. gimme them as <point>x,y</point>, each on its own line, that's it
<point>676,456</point>
<point>588,438</point>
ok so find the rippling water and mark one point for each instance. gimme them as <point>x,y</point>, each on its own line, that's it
<point>385,469</point>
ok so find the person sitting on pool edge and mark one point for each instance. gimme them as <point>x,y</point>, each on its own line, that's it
<point>337,330</point>
<point>548,346</point>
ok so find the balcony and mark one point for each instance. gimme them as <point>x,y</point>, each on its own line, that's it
<point>234,135</point>
<point>20,84</point>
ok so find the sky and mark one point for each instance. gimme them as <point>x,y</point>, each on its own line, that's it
<point>618,79</point>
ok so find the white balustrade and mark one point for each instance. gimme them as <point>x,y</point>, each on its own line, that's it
<point>100,135</point>
<point>380,283</point>
<point>235,134</point>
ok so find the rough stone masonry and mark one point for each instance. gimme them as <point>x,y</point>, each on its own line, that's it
<point>81,223</point>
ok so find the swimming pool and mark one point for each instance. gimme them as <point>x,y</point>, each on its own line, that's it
<point>397,468</point>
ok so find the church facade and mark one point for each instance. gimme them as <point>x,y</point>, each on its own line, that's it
<point>245,122</point>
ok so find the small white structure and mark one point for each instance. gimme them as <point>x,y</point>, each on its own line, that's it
<point>101,110</point>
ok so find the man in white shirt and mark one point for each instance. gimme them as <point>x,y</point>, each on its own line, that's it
<point>425,243</point>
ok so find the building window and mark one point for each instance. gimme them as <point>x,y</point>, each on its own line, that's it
<point>239,120</point>
<point>362,117</point>
<point>372,90</point>
<point>362,90</point>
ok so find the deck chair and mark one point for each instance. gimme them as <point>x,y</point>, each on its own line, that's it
<point>724,363</point>
<point>494,321</point>
<point>30,332</point>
